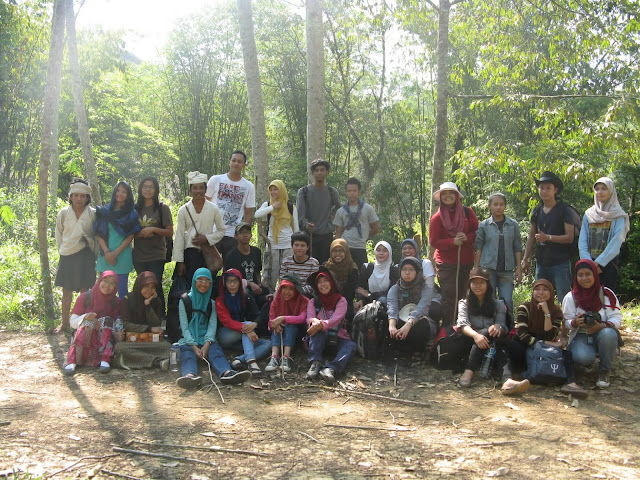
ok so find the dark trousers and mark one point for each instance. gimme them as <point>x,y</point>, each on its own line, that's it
<point>609,275</point>
<point>157,267</point>
<point>320,246</point>
<point>225,245</point>
<point>193,260</point>
<point>447,279</point>
<point>359,256</point>
<point>417,338</point>
<point>502,359</point>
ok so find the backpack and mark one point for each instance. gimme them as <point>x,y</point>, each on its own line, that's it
<point>168,241</point>
<point>179,286</point>
<point>289,206</point>
<point>333,194</point>
<point>574,218</point>
<point>449,350</point>
<point>545,364</point>
<point>369,330</point>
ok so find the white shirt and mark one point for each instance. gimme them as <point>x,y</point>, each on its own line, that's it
<point>208,222</point>
<point>231,198</point>
<point>284,236</point>
<point>72,233</point>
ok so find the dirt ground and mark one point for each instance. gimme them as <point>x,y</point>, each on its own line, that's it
<point>291,429</point>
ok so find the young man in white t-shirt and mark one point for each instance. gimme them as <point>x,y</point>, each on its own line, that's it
<point>235,196</point>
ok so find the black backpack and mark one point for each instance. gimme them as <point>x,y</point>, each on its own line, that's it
<point>179,286</point>
<point>574,219</point>
<point>449,350</point>
<point>369,330</point>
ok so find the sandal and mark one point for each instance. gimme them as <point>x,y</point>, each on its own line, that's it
<point>516,388</point>
<point>574,390</point>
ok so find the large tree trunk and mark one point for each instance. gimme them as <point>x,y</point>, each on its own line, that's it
<point>78,101</point>
<point>51,102</point>
<point>315,82</point>
<point>256,105</point>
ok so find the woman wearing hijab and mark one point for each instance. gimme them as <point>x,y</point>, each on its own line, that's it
<point>452,232</point>
<point>93,315</point>
<point>115,226</point>
<point>239,315</point>
<point>345,272</point>
<point>376,278</point>
<point>409,248</point>
<point>141,311</point>
<point>604,228</point>
<point>287,312</point>
<point>326,325</point>
<point>199,322</point>
<point>412,294</point>
<point>592,315</point>
<point>282,222</point>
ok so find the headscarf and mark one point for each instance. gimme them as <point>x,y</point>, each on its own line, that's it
<point>199,321</point>
<point>342,270</point>
<point>292,307</point>
<point>194,178</point>
<point>589,299</point>
<point>452,217</point>
<point>609,210</point>
<point>410,292</point>
<point>234,302</point>
<point>281,216</point>
<point>124,221</point>
<point>142,280</point>
<point>79,187</point>
<point>413,243</point>
<point>536,315</point>
<point>379,279</point>
<point>100,304</point>
<point>331,299</point>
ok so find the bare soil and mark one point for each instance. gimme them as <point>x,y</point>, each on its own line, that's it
<point>49,422</point>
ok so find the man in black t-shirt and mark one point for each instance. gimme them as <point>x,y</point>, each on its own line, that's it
<point>248,260</point>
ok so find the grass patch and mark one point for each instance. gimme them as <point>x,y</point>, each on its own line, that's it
<point>631,316</point>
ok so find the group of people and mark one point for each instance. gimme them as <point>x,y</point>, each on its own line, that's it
<point>314,277</point>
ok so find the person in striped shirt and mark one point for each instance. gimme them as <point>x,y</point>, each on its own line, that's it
<point>300,263</point>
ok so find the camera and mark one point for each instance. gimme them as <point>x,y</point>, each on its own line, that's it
<point>591,318</point>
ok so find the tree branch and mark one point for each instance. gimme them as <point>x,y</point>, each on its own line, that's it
<point>525,96</point>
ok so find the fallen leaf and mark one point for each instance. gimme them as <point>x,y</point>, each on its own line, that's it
<point>171,464</point>
<point>81,415</point>
<point>575,403</point>
<point>74,437</point>
<point>534,457</point>
<point>512,406</point>
<point>499,472</point>
<point>256,387</point>
<point>226,421</point>
<point>598,475</point>
<point>364,464</point>
<point>208,434</point>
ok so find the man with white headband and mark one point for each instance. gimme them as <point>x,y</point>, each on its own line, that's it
<point>199,221</point>
<point>76,245</point>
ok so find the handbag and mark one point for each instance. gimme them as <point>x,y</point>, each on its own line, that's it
<point>545,364</point>
<point>211,255</point>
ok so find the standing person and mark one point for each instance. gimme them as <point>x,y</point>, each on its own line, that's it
<point>248,260</point>
<point>115,226</point>
<point>604,228</point>
<point>235,196</point>
<point>356,222</point>
<point>499,249</point>
<point>300,263</point>
<point>317,204</point>
<point>196,215</point>
<point>282,222</point>
<point>553,229</point>
<point>452,232</point>
<point>76,245</point>
<point>149,244</point>
<point>592,315</point>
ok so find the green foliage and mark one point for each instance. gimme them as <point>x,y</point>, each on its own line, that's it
<point>629,263</point>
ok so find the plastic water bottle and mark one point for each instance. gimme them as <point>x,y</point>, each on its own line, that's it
<point>119,326</point>
<point>487,362</point>
<point>173,357</point>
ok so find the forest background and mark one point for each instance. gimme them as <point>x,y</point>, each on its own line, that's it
<point>533,85</point>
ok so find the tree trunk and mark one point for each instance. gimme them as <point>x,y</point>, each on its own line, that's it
<point>256,105</point>
<point>51,102</point>
<point>55,160</point>
<point>315,82</point>
<point>78,101</point>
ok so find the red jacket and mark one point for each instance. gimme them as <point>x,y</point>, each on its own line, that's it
<point>446,251</point>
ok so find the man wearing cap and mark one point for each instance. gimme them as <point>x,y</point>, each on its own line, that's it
<point>552,228</point>
<point>199,215</point>
<point>248,260</point>
<point>235,196</point>
<point>317,204</point>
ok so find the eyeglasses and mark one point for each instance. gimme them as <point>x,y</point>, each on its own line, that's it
<point>203,280</point>
<point>109,283</point>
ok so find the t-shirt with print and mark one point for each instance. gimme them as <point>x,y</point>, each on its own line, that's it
<point>598,238</point>
<point>351,236</point>
<point>148,249</point>
<point>231,198</point>
<point>249,265</point>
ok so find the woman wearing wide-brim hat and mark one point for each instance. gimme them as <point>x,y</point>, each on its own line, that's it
<point>452,233</point>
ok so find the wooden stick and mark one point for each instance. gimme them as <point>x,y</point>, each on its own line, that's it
<point>78,461</point>
<point>197,447</point>
<point>4,423</point>
<point>395,376</point>
<point>214,383</point>
<point>375,395</point>
<point>121,475</point>
<point>162,455</point>
<point>29,391</point>
<point>309,436</point>
<point>395,428</point>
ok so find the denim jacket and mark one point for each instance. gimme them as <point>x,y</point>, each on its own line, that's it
<point>488,238</point>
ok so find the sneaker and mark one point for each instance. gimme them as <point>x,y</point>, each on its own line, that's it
<point>238,365</point>
<point>104,367</point>
<point>254,368</point>
<point>231,377</point>
<point>287,364</point>
<point>314,370</point>
<point>274,364</point>
<point>189,381</point>
<point>69,369</point>
<point>328,376</point>
<point>603,380</point>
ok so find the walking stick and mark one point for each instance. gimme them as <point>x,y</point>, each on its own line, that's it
<point>455,308</point>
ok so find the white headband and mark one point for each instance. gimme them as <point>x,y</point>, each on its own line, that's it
<point>79,187</point>
<point>196,177</point>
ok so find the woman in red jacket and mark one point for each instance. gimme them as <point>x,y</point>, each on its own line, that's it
<point>452,232</point>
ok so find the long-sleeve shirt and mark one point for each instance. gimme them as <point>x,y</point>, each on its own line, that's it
<point>249,314</point>
<point>205,221</point>
<point>284,236</point>
<point>152,315</point>
<point>330,319</point>
<point>526,336</point>
<point>613,242</point>
<point>422,307</point>
<point>187,338</point>
<point>480,322</point>
<point>446,251</point>
<point>72,233</point>
<point>288,319</point>
<point>611,314</point>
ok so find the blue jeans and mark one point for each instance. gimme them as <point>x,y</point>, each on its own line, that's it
<point>559,275</point>
<point>346,350</point>
<point>503,283</point>
<point>289,336</point>
<point>123,285</point>
<point>234,340</point>
<point>189,361</point>
<point>604,343</point>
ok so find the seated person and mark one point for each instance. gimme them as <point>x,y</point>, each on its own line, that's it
<point>300,262</point>
<point>481,319</point>
<point>345,273</point>
<point>141,311</point>
<point>248,260</point>
<point>287,312</point>
<point>239,315</point>
<point>592,315</point>
<point>411,292</point>
<point>326,325</point>
<point>199,322</point>
<point>376,278</point>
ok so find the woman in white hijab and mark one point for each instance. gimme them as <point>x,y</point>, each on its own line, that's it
<point>376,278</point>
<point>604,228</point>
